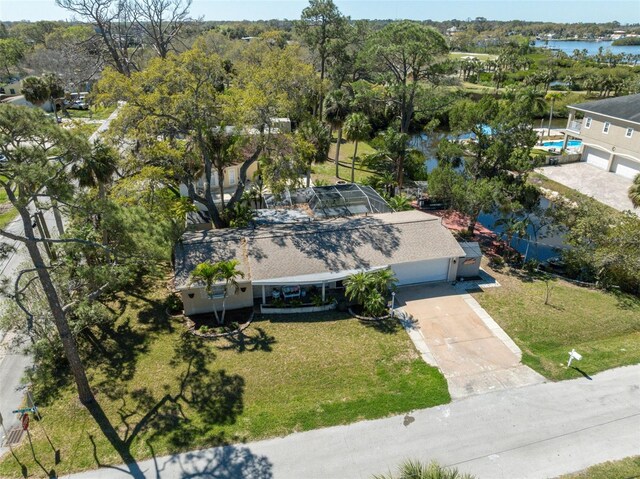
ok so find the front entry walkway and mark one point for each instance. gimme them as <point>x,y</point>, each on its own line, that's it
<point>472,351</point>
<point>606,187</point>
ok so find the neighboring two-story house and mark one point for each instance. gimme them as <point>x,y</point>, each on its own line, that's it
<point>610,133</point>
<point>14,87</point>
<point>231,175</point>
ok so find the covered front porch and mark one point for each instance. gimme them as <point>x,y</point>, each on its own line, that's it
<point>306,291</point>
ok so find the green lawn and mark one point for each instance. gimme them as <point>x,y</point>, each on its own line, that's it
<point>84,129</point>
<point>290,374</point>
<point>7,217</point>
<point>327,171</point>
<point>628,468</point>
<point>95,113</point>
<point>603,327</point>
<point>8,214</point>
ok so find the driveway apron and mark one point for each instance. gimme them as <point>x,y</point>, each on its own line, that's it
<point>472,351</point>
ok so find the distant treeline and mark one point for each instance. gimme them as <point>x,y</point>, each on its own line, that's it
<point>626,41</point>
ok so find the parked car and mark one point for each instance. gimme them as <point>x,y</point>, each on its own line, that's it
<point>78,105</point>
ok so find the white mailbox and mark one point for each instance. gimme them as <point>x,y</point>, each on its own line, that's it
<point>573,354</point>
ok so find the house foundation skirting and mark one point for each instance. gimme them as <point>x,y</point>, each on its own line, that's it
<point>298,310</point>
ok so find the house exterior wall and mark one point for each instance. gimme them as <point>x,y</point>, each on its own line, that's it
<point>468,267</point>
<point>14,88</point>
<point>201,303</point>
<point>231,178</point>
<point>231,172</point>
<point>614,142</point>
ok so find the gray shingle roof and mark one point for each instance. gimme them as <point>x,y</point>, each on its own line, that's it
<point>623,107</point>
<point>279,251</point>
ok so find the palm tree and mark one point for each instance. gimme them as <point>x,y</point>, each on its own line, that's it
<point>316,134</point>
<point>337,106</point>
<point>228,272</point>
<point>532,99</point>
<point>212,273</point>
<point>394,145</point>
<point>552,96</point>
<point>384,182</point>
<point>400,203</point>
<point>356,129</point>
<point>370,290</point>
<point>384,280</point>
<point>206,273</point>
<point>634,192</point>
<point>98,169</point>
<point>418,470</point>
<point>358,286</point>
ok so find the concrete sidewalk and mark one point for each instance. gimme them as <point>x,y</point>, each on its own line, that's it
<point>466,344</point>
<point>536,431</point>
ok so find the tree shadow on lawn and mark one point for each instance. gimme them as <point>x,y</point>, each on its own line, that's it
<point>110,348</point>
<point>213,398</point>
<point>155,316</point>
<point>626,301</point>
<point>242,342</point>
<point>202,400</point>
<point>112,351</point>
<point>386,326</point>
<point>114,348</point>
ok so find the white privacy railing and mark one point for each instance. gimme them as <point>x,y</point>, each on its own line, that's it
<point>575,126</point>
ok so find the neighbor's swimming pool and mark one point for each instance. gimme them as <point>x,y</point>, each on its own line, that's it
<point>558,143</point>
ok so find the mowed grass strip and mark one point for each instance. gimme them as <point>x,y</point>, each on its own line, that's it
<point>603,327</point>
<point>7,212</point>
<point>628,468</point>
<point>7,217</point>
<point>295,373</point>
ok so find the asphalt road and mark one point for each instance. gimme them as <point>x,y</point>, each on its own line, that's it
<point>537,431</point>
<point>12,361</point>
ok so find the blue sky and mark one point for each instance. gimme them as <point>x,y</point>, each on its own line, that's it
<point>624,11</point>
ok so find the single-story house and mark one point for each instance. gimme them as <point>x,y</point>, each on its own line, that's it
<point>20,100</point>
<point>319,253</point>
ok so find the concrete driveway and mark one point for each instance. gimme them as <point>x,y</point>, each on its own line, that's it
<point>472,351</point>
<point>606,187</point>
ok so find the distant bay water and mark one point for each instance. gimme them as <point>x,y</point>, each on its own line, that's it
<point>568,46</point>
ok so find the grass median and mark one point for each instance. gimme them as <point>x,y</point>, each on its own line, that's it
<point>623,469</point>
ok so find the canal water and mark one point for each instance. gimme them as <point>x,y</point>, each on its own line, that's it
<point>543,242</point>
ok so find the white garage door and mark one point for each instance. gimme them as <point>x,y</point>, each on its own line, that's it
<point>625,167</point>
<point>597,158</point>
<point>422,271</point>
